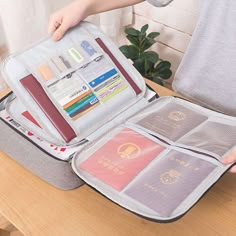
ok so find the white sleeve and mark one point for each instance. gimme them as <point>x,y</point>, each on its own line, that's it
<point>159,3</point>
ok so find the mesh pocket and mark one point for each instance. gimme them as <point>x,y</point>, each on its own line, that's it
<point>172,121</point>
<point>212,136</point>
<point>169,182</point>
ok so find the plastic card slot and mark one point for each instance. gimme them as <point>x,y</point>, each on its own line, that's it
<point>104,79</point>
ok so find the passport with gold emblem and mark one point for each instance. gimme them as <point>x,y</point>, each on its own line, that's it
<point>118,161</point>
<point>168,182</point>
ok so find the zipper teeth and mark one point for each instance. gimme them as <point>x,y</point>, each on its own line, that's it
<point>71,158</point>
<point>7,98</point>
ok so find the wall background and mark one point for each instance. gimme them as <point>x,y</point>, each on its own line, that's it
<point>175,22</point>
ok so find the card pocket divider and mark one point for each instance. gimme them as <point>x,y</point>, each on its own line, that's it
<point>75,71</point>
<point>107,50</point>
<point>33,83</point>
<point>58,77</point>
<point>76,124</point>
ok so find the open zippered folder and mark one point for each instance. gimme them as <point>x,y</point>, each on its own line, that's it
<point>79,113</point>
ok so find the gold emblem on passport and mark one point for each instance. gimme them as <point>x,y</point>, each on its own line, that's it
<point>170,177</point>
<point>176,116</point>
<point>129,151</point>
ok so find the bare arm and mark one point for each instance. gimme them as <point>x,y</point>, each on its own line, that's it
<point>97,6</point>
<point>72,14</point>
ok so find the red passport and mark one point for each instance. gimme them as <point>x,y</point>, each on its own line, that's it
<point>118,161</point>
<point>37,92</point>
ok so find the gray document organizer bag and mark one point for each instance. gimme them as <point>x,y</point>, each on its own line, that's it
<point>80,112</point>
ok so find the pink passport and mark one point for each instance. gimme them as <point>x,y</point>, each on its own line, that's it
<point>118,161</point>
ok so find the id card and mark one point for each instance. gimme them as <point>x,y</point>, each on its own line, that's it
<point>105,80</point>
<point>74,96</point>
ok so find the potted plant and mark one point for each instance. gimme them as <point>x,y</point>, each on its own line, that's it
<point>147,62</point>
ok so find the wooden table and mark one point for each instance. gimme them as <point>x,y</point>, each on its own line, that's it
<point>36,208</point>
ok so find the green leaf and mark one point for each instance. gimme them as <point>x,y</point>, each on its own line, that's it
<point>148,66</point>
<point>144,29</point>
<point>141,38</point>
<point>163,65</point>
<point>133,40</point>
<point>146,43</point>
<point>166,74</point>
<point>125,50</point>
<point>130,51</point>
<point>153,35</point>
<point>132,31</point>
<point>139,65</point>
<point>150,56</point>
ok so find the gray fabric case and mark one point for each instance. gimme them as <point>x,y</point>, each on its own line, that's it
<point>138,154</point>
<point>54,171</point>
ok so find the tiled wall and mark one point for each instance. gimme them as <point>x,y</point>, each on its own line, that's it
<point>175,22</point>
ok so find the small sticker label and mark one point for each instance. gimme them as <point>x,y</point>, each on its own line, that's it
<point>46,72</point>
<point>75,55</point>
<point>88,48</point>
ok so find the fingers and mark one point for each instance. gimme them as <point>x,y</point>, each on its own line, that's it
<point>58,25</point>
<point>66,18</point>
<point>233,169</point>
<point>230,158</point>
<point>60,30</point>
<point>54,23</point>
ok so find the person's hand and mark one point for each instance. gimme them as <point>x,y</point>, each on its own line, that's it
<point>67,17</point>
<point>230,158</point>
